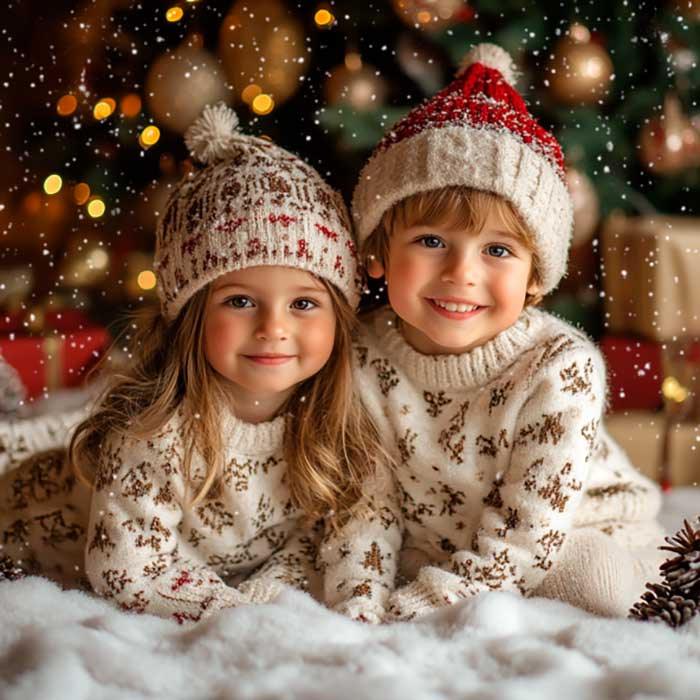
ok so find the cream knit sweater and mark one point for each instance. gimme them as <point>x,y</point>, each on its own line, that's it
<point>151,553</point>
<point>500,452</point>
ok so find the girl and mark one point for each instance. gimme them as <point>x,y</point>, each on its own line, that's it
<point>236,426</point>
<point>507,479</point>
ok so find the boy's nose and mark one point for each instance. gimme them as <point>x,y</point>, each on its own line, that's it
<point>460,269</point>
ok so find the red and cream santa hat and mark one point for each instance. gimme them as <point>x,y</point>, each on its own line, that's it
<point>476,132</point>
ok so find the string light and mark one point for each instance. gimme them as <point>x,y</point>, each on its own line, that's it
<point>53,184</point>
<point>66,105</point>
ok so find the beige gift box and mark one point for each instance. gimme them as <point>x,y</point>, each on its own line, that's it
<point>640,434</point>
<point>651,279</point>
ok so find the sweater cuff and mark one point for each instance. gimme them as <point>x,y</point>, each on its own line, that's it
<point>260,591</point>
<point>362,610</point>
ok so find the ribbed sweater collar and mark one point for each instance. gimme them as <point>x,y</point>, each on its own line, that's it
<point>464,371</point>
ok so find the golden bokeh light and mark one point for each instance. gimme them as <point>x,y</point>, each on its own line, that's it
<point>263,104</point>
<point>149,136</point>
<point>146,279</point>
<point>250,92</point>
<point>96,208</point>
<point>104,108</point>
<point>174,14</point>
<point>66,105</point>
<point>53,184</point>
<point>130,105</point>
<point>324,18</point>
<point>81,193</point>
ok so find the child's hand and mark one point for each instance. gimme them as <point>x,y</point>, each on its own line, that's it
<point>362,610</point>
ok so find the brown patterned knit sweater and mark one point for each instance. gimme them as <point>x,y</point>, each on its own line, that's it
<point>500,453</point>
<point>151,553</point>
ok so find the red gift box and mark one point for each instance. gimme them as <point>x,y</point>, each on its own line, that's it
<point>635,373</point>
<point>60,356</point>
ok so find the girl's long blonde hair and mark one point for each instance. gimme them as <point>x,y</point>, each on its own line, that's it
<point>331,444</point>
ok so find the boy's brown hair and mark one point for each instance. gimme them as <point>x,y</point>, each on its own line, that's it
<point>459,207</point>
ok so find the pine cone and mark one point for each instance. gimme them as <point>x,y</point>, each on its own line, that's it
<point>9,571</point>
<point>677,599</point>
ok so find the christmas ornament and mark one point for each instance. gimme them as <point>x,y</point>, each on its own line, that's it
<point>431,14</point>
<point>355,84</point>
<point>669,144</point>
<point>689,9</point>
<point>262,44</point>
<point>180,83</point>
<point>677,598</point>
<point>580,71</point>
<point>421,62</point>
<point>12,391</point>
<point>585,201</point>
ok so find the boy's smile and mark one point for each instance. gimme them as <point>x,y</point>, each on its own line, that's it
<point>454,289</point>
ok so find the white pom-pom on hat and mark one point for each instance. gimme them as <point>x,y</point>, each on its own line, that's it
<point>492,56</point>
<point>213,135</point>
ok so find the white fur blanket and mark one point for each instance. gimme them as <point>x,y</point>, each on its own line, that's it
<point>69,645</point>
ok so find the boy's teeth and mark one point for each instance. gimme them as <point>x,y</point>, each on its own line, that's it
<point>451,306</point>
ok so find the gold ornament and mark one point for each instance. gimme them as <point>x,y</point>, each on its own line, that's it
<point>580,71</point>
<point>669,143</point>
<point>180,83</point>
<point>432,15</point>
<point>262,44</point>
<point>355,84</point>
<point>585,201</point>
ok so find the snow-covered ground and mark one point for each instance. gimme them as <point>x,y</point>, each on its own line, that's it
<point>68,645</point>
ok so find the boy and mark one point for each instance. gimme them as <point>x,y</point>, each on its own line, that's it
<point>506,479</point>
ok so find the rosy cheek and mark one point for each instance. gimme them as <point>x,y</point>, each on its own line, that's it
<point>318,338</point>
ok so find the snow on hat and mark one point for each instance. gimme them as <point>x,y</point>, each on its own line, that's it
<point>252,204</point>
<point>476,132</point>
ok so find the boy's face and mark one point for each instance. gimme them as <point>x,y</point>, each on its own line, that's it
<point>455,290</point>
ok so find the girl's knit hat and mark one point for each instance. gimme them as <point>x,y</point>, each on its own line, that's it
<point>252,204</point>
<point>476,132</point>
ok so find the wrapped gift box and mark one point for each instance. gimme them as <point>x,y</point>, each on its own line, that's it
<point>641,433</point>
<point>635,373</point>
<point>651,280</point>
<point>58,356</point>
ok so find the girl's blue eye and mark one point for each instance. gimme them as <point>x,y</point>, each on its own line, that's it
<point>239,302</point>
<point>304,304</point>
<point>498,251</point>
<point>431,242</point>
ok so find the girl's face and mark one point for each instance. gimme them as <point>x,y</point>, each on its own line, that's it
<point>455,290</point>
<point>267,329</point>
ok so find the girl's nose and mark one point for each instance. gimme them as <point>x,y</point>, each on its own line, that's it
<point>271,327</point>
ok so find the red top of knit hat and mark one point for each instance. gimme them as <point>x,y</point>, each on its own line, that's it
<point>479,98</point>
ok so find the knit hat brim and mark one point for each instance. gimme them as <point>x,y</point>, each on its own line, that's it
<point>493,160</point>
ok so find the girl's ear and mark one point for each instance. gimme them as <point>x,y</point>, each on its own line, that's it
<point>534,289</point>
<point>375,269</point>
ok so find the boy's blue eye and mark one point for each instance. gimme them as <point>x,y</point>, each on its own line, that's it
<point>431,242</point>
<point>498,251</point>
<point>304,304</point>
<point>239,302</point>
